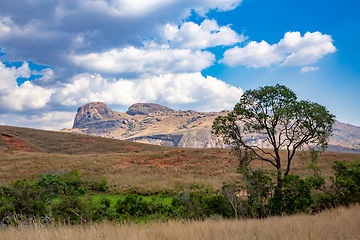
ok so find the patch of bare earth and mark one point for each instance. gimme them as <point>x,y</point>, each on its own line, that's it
<point>17,144</point>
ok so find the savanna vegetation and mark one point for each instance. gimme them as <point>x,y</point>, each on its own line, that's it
<point>95,180</point>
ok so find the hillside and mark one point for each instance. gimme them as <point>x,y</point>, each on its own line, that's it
<point>156,124</point>
<point>128,165</point>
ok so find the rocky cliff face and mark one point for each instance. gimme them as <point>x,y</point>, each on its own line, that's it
<point>148,123</point>
<point>146,108</point>
<point>156,124</point>
<point>92,113</point>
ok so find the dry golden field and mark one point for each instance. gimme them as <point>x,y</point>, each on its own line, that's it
<point>127,165</point>
<point>336,224</point>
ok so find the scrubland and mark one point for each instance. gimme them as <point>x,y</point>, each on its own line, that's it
<point>340,223</point>
<point>147,170</point>
<point>170,169</point>
<point>129,165</point>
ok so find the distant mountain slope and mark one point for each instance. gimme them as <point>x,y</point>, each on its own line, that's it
<point>33,140</point>
<point>156,124</point>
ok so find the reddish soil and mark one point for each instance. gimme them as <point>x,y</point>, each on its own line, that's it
<point>17,145</point>
<point>159,162</point>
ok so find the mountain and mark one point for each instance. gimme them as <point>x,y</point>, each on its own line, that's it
<point>160,125</point>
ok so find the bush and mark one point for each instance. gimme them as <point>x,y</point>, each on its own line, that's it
<point>98,186</point>
<point>73,209</point>
<point>295,196</point>
<point>198,205</point>
<point>345,187</point>
<point>259,187</point>
<point>28,199</point>
<point>74,182</point>
<point>132,205</point>
<point>51,186</point>
<point>103,211</point>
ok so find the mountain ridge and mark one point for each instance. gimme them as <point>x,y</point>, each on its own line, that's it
<point>156,124</point>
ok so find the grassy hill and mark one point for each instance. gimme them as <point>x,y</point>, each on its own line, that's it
<point>127,165</point>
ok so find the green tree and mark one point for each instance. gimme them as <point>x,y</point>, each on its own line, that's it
<point>273,115</point>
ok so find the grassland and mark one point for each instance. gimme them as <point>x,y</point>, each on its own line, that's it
<point>341,223</point>
<point>129,166</point>
<point>149,169</point>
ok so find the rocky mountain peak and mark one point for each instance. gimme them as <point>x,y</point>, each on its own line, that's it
<point>91,112</point>
<point>157,124</point>
<point>146,108</point>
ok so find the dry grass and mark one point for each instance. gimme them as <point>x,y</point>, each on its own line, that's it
<point>128,165</point>
<point>341,223</point>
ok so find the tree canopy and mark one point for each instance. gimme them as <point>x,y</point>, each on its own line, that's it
<point>272,115</point>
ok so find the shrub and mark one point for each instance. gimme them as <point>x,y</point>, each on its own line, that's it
<point>51,186</point>
<point>295,196</point>
<point>73,209</point>
<point>132,205</point>
<point>345,187</point>
<point>74,182</point>
<point>103,211</point>
<point>198,205</point>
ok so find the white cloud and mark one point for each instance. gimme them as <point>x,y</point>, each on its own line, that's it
<point>173,90</point>
<point>153,58</point>
<point>253,55</point>
<point>308,69</point>
<point>54,120</point>
<point>208,34</point>
<point>180,91</point>
<point>4,25</point>
<point>293,50</point>
<point>136,8</point>
<point>307,49</point>
<point>46,31</point>
<point>27,96</point>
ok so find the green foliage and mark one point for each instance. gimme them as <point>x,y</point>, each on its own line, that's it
<point>198,205</point>
<point>259,187</point>
<point>51,195</point>
<point>347,182</point>
<point>51,185</point>
<point>345,187</point>
<point>58,197</point>
<point>132,205</point>
<point>98,186</point>
<point>103,211</point>
<point>274,114</point>
<point>294,197</point>
<point>28,199</point>
<point>74,182</point>
<point>73,209</point>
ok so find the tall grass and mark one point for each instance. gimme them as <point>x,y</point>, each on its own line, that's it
<point>341,223</point>
<point>148,175</point>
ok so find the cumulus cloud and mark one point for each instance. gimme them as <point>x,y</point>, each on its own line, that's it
<point>46,31</point>
<point>254,54</point>
<point>208,34</point>
<point>173,90</point>
<point>308,69</point>
<point>32,105</point>
<point>305,50</point>
<point>292,50</point>
<point>27,96</point>
<point>136,8</point>
<point>54,120</point>
<point>152,58</point>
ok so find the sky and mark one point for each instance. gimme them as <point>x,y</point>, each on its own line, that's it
<point>57,55</point>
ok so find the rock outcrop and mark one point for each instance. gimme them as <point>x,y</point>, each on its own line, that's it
<point>146,108</point>
<point>156,124</point>
<point>92,113</point>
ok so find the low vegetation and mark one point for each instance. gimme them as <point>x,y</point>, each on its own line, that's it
<point>169,188</point>
<point>67,198</point>
<point>340,223</point>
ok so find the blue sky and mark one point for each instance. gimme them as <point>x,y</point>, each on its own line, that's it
<point>199,54</point>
